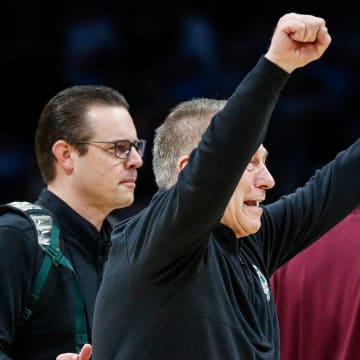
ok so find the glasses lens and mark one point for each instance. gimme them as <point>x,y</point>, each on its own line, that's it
<point>123,149</point>
<point>140,147</point>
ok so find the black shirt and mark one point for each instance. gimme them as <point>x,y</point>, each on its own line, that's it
<point>172,288</point>
<point>178,285</point>
<point>51,328</point>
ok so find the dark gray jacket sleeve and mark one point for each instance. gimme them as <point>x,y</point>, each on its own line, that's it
<point>297,220</point>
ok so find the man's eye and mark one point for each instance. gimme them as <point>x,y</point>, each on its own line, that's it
<point>122,148</point>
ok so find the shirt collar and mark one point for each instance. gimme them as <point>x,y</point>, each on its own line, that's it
<point>71,222</point>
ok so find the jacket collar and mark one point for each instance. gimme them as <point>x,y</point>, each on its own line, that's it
<point>226,237</point>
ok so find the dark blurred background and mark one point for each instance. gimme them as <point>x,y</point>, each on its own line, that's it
<point>158,55</point>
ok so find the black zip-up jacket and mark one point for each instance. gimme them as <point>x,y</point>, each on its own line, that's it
<point>178,284</point>
<point>51,328</point>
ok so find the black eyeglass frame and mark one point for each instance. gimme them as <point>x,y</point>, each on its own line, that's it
<point>138,145</point>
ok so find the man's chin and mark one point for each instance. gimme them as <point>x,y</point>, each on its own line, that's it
<point>252,224</point>
<point>125,201</point>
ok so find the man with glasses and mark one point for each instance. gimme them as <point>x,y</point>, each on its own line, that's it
<point>121,148</point>
<point>188,276</point>
<point>88,153</point>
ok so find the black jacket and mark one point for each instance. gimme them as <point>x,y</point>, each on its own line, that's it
<point>50,329</point>
<point>178,285</point>
<point>174,288</point>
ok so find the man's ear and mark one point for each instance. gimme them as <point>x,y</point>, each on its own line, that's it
<point>62,152</point>
<point>183,160</point>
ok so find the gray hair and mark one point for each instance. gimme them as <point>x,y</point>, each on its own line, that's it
<point>179,134</point>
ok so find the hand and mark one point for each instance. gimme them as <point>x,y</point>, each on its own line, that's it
<point>297,40</point>
<point>85,354</point>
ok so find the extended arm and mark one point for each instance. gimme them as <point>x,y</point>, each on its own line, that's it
<point>183,217</point>
<point>295,221</point>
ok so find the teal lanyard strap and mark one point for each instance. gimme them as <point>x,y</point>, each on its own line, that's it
<point>80,319</point>
<point>53,256</point>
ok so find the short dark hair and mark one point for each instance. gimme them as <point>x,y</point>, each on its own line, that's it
<point>63,118</point>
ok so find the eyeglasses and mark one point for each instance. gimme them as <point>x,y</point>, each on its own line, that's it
<point>122,148</point>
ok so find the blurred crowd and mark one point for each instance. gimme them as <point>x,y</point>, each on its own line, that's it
<point>158,56</point>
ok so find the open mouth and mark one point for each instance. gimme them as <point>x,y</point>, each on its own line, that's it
<point>255,203</point>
